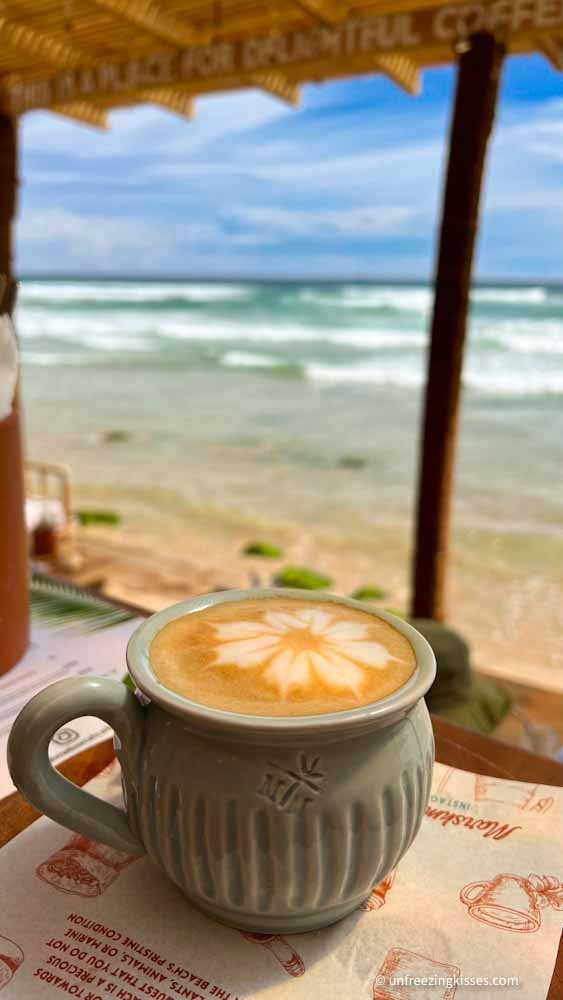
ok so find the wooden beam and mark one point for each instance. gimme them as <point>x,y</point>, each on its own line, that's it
<point>151,18</point>
<point>475,101</point>
<point>173,99</point>
<point>40,46</point>
<point>276,84</point>
<point>86,114</point>
<point>327,11</point>
<point>552,49</point>
<point>8,192</point>
<point>14,604</point>
<point>402,71</point>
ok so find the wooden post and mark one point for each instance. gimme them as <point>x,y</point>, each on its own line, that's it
<point>476,93</point>
<point>14,604</point>
<point>8,188</point>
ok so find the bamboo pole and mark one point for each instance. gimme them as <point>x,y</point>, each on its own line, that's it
<point>475,101</point>
<point>14,603</point>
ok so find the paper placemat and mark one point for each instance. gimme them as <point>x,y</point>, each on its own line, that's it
<point>73,634</point>
<point>476,902</point>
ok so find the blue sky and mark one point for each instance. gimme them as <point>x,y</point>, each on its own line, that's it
<point>346,186</point>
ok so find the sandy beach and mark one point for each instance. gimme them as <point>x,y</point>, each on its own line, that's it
<point>200,456</point>
<point>165,551</point>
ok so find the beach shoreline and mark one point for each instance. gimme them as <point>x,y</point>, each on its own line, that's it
<point>164,552</point>
<point>209,416</point>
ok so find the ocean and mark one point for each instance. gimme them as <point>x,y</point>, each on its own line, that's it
<point>291,412</point>
<point>345,333</point>
<point>239,379</point>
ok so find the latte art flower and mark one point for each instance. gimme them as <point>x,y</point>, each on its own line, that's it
<point>301,648</point>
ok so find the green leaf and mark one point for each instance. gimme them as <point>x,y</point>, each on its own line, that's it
<point>352,462</point>
<point>262,549</point>
<point>86,517</point>
<point>303,579</point>
<point>115,436</point>
<point>369,594</point>
<point>62,605</point>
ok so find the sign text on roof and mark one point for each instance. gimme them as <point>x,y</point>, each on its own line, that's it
<point>229,63</point>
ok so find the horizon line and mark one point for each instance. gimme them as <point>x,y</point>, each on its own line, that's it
<point>283,279</point>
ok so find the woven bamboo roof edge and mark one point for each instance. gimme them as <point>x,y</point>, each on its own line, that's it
<point>53,70</point>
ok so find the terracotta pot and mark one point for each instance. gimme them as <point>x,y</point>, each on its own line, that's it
<point>14,588</point>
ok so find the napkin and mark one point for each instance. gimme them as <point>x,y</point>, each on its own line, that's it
<point>476,902</point>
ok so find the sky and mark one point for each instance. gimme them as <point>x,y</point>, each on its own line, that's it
<point>347,186</point>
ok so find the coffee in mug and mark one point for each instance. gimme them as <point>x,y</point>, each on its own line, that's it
<point>281,656</point>
<point>276,759</point>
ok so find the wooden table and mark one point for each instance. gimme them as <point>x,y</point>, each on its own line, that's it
<point>455,747</point>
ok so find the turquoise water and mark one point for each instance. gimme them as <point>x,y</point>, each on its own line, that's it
<point>292,413</point>
<point>253,397</point>
<point>338,333</point>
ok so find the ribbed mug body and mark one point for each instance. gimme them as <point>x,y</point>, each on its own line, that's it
<point>279,835</point>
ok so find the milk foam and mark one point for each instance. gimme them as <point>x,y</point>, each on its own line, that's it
<point>300,649</point>
<point>281,656</point>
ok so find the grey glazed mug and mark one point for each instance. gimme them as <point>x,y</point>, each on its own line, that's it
<point>270,824</point>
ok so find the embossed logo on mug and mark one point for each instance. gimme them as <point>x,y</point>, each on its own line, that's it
<point>291,790</point>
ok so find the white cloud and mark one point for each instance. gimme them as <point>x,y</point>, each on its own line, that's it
<point>383,220</point>
<point>540,135</point>
<point>253,184</point>
<point>92,241</point>
<point>152,129</point>
<point>97,235</point>
<point>300,163</point>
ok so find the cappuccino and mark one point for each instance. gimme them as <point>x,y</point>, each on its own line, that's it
<point>281,656</point>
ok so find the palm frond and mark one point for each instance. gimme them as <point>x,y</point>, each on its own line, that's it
<point>63,606</point>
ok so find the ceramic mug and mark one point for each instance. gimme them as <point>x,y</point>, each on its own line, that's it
<point>269,824</point>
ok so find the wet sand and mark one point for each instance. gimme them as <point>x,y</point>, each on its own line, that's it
<point>203,463</point>
<point>165,551</point>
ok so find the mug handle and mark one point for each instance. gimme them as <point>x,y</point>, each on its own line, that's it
<point>46,789</point>
<point>468,895</point>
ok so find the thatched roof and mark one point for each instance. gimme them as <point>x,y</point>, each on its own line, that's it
<point>83,57</point>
